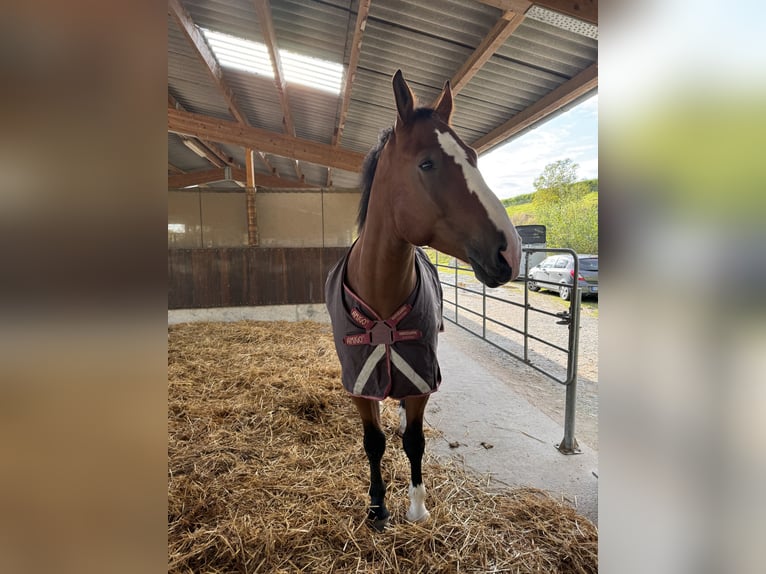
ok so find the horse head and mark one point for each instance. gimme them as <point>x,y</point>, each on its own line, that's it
<point>441,198</point>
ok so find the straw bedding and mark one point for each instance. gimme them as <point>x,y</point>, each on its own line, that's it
<point>267,473</point>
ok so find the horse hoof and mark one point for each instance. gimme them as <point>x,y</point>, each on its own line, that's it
<point>418,517</point>
<point>378,524</point>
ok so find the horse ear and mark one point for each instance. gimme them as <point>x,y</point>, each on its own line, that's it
<point>405,99</point>
<point>443,104</point>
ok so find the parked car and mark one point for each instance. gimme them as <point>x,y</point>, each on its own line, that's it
<point>557,274</point>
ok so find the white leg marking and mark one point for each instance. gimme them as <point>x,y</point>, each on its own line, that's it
<point>402,420</point>
<point>417,511</point>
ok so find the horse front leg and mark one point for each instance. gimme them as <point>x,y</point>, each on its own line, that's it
<point>374,447</point>
<point>414,445</point>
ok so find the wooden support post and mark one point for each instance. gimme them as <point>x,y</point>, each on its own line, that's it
<point>252,221</point>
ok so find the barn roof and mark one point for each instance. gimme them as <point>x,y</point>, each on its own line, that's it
<point>512,63</point>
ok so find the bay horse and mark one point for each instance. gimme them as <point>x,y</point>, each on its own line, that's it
<point>420,186</point>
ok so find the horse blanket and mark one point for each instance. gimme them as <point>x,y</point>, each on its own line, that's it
<point>394,357</point>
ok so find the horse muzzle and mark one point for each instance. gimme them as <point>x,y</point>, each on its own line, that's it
<point>498,265</point>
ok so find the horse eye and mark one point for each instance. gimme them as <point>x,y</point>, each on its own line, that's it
<point>426,165</point>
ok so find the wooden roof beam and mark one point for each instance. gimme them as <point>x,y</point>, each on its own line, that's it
<point>228,132</point>
<point>206,55</point>
<point>586,10</point>
<point>228,160</point>
<point>518,6</point>
<point>174,170</point>
<point>503,28</point>
<point>263,10</point>
<point>220,158</point>
<point>211,64</point>
<point>350,75</point>
<point>353,62</point>
<point>557,98</point>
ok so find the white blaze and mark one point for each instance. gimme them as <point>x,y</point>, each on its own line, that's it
<point>474,180</point>
<point>489,200</point>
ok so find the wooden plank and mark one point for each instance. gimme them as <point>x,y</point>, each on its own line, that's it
<point>353,63</point>
<point>237,276</point>
<point>350,75</point>
<point>252,220</point>
<point>224,131</point>
<point>495,38</point>
<point>263,10</point>
<point>223,270</point>
<point>570,90</point>
<point>207,145</point>
<point>586,10</point>
<point>518,6</point>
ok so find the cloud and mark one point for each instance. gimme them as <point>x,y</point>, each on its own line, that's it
<point>512,168</point>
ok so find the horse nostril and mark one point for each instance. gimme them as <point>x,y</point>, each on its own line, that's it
<point>501,260</point>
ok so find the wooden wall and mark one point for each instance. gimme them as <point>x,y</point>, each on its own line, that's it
<point>243,276</point>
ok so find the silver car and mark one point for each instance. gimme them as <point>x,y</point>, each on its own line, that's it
<point>557,274</point>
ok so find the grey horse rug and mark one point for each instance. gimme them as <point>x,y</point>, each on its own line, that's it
<point>393,357</point>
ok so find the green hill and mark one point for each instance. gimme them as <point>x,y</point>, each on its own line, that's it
<point>521,208</point>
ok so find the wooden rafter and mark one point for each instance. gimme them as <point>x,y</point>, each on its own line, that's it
<point>586,10</point>
<point>353,62</point>
<point>518,6</point>
<point>219,158</point>
<point>211,65</point>
<point>350,75</point>
<point>503,28</point>
<point>206,55</point>
<point>263,10</point>
<point>174,170</point>
<point>228,132</point>
<point>567,92</point>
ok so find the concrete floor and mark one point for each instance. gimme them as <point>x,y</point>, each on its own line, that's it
<point>474,405</point>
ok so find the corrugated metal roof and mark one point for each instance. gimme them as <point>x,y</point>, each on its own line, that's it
<point>182,157</point>
<point>188,80</point>
<point>428,41</point>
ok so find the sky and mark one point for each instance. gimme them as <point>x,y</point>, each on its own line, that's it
<point>511,168</point>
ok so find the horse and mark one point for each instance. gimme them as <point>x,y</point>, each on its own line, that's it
<point>420,186</point>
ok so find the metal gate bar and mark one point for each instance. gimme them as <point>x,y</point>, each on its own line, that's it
<point>568,444</point>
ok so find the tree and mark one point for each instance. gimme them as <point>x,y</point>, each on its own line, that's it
<point>555,179</point>
<point>567,208</point>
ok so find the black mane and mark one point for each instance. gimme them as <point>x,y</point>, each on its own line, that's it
<point>371,163</point>
<point>368,174</point>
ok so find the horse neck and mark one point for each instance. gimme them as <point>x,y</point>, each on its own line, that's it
<point>381,267</point>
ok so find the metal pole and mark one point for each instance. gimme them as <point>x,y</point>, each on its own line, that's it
<point>457,309</point>
<point>526,306</point>
<point>568,444</point>
<point>483,311</point>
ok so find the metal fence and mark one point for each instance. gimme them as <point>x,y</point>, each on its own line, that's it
<point>458,283</point>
